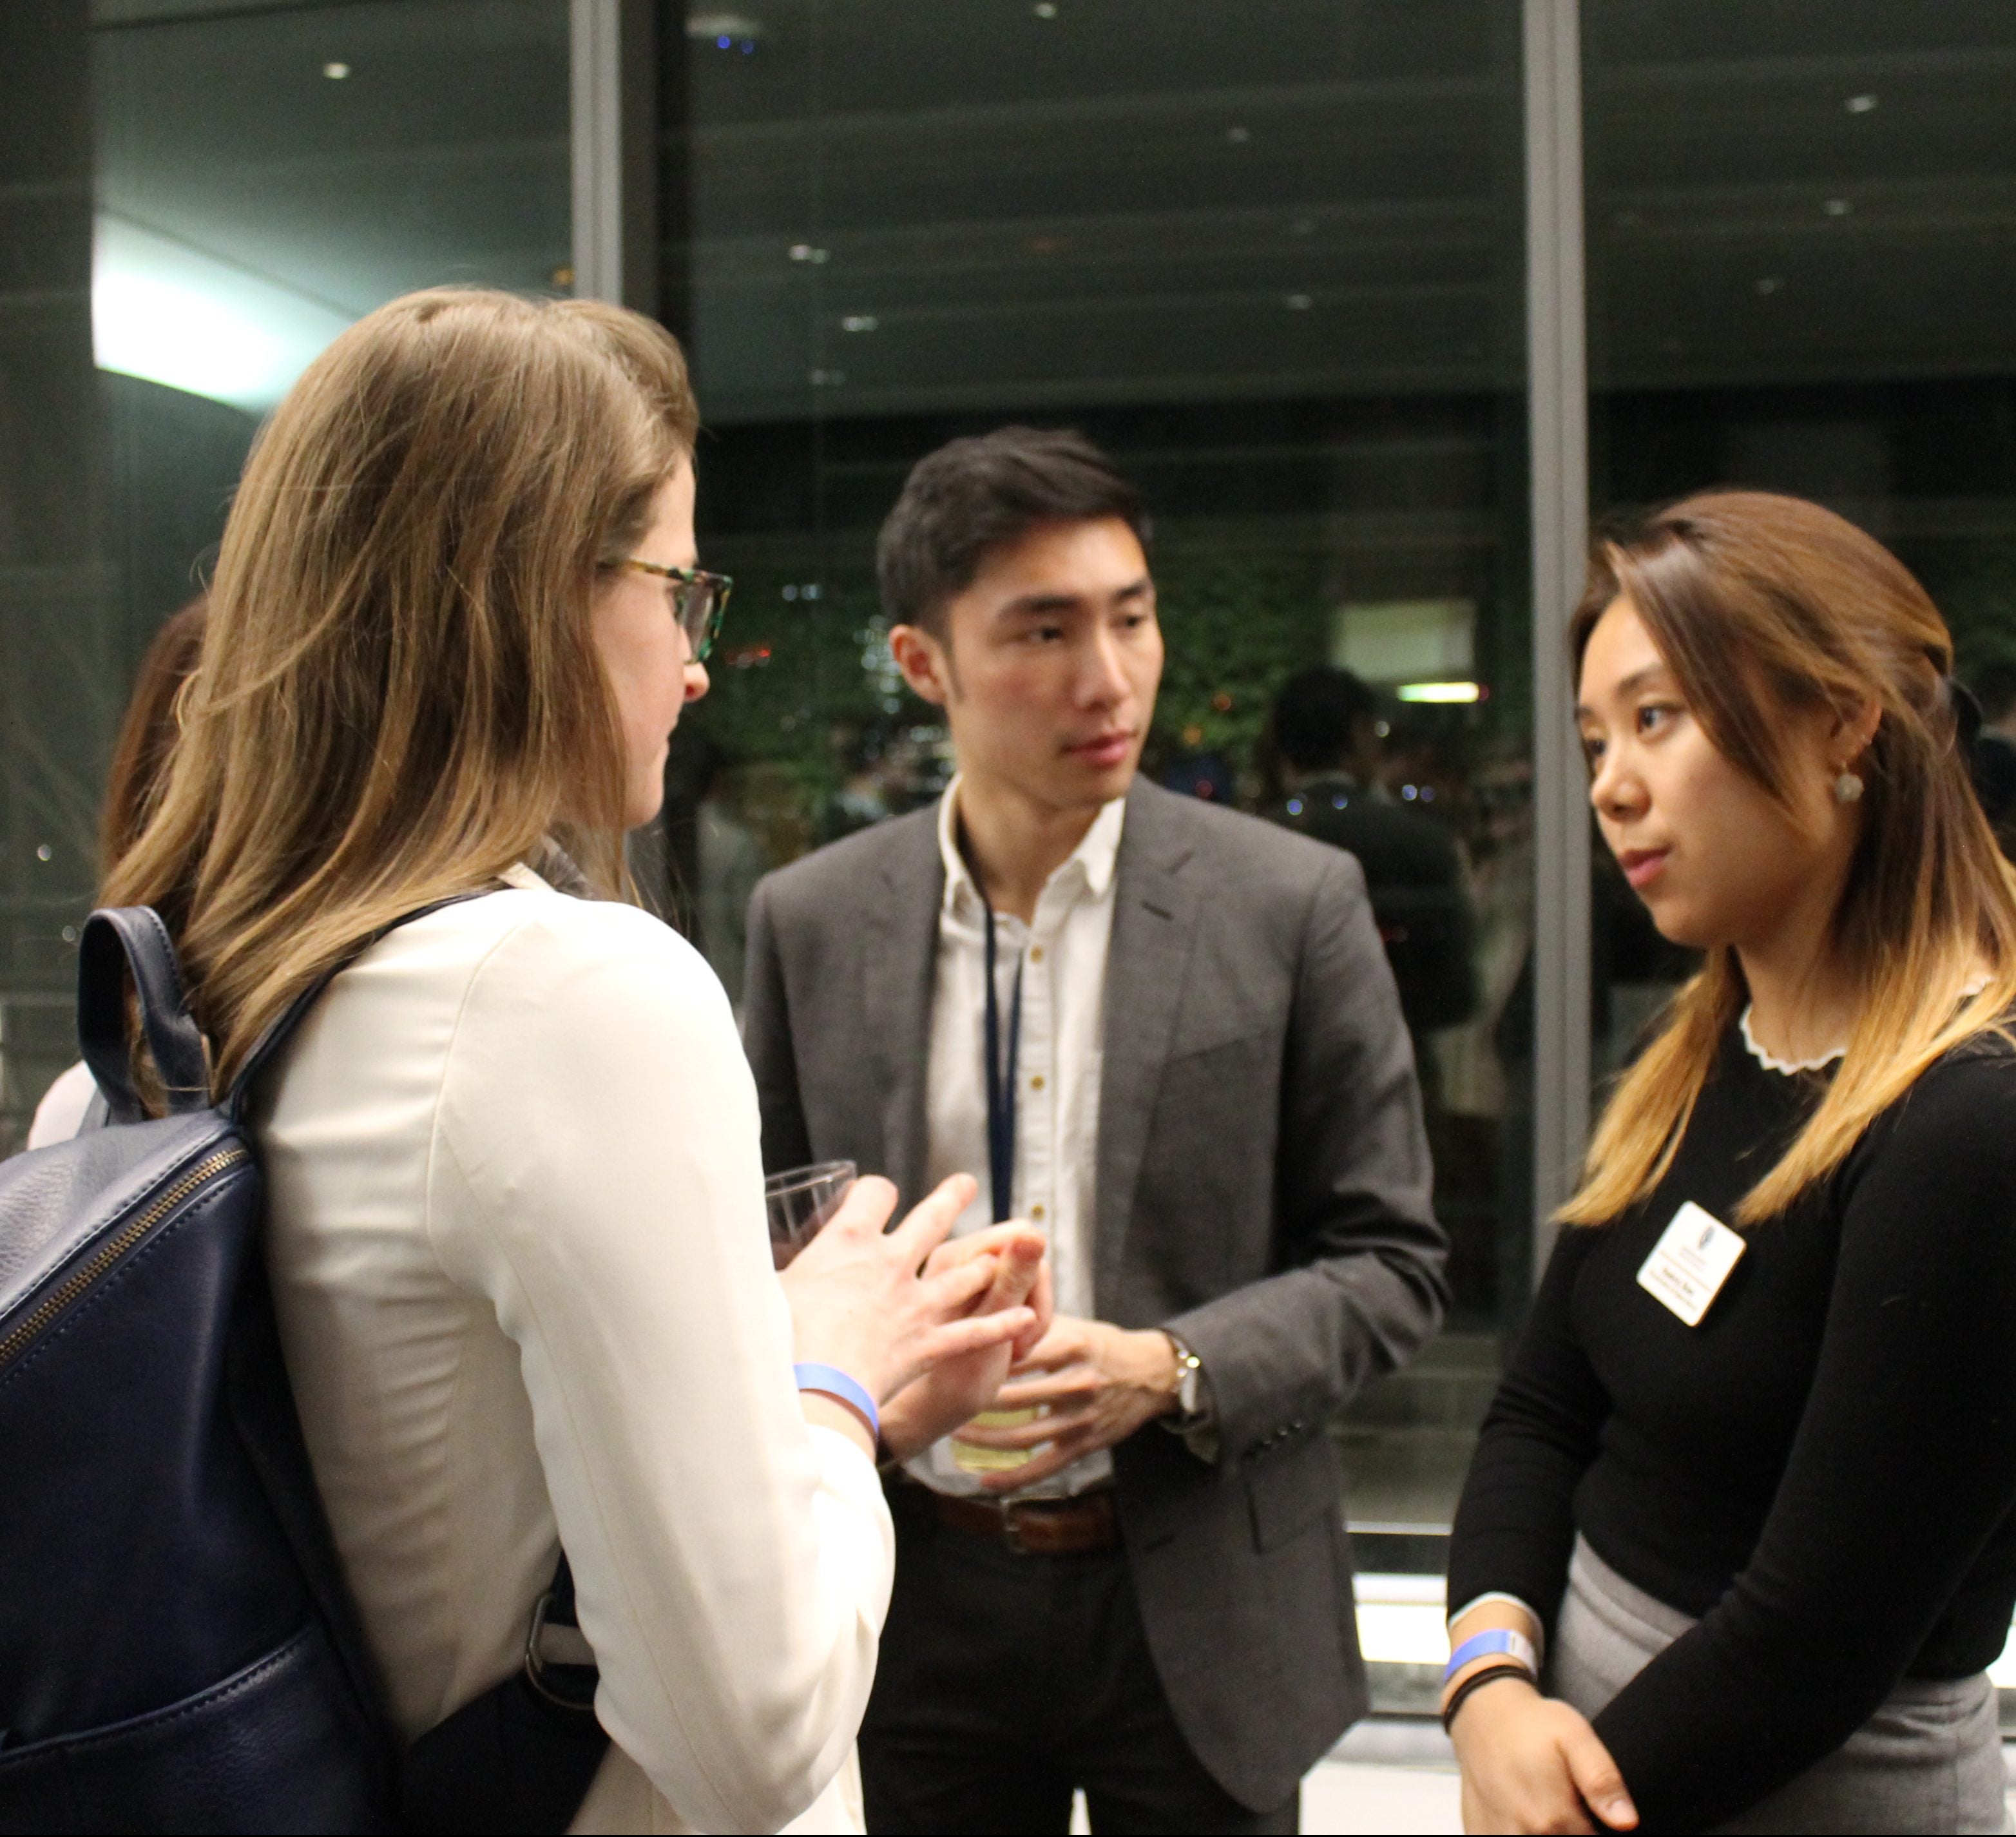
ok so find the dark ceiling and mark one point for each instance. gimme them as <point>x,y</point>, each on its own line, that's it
<point>442,156</point>
<point>900,205</point>
<point>1191,199</point>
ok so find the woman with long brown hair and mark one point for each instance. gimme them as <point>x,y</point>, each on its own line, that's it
<point>516,1228</point>
<point>1742,1507</point>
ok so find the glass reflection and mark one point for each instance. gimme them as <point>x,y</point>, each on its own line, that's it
<point>1272,260</point>
<point>1801,257</point>
<point>202,194</point>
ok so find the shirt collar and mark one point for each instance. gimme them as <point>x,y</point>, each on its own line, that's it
<point>1096,859</point>
<point>525,879</point>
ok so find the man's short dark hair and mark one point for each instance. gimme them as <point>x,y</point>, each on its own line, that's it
<point>1317,716</point>
<point>976,494</point>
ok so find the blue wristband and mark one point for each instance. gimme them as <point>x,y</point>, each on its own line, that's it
<point>1515,1646</point>
<point>829,1380</point>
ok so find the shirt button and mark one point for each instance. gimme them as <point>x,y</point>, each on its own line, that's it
<point>1036,1083</point>
<point>1035,1212</point>
<point>1035,953</point>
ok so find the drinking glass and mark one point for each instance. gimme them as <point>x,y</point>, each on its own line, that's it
<point>799,1202</point>
<point>969,1457</point>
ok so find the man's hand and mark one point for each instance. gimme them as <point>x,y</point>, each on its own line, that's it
<point>1095,1384</point>
<point>942,1400</point>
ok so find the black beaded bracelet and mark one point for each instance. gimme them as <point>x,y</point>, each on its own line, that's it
<point>1476,1678</point>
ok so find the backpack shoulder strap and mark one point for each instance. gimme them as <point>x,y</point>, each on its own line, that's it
<point>118,938</point>
<point>279,1031</point>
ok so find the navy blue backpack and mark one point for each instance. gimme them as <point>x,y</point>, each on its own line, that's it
<point>178,1649</point>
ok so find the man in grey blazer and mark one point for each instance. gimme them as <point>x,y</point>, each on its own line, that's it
<point>1168,1035</point>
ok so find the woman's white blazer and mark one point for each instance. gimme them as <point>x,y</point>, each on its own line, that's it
<point>518,1247</point>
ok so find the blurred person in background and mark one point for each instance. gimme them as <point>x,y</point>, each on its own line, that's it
<point>728,860</point>
<point>1482,1090</point>
<point>1993,756</point>
<point>515,1224</point>
<point>1994,687</point>
<point>147,736</point>
<point>1325,735</point>
<point>1326,732</point>
<point>884,773</point>
<point>862,795</point>
<point>1166,1034</point>
<point>1738,1545</point>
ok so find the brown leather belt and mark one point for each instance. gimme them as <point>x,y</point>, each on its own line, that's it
<point>1086,1525</point>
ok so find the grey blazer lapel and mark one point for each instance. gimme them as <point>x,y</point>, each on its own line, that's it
<point>899,966</point>
<point>1154,920</point>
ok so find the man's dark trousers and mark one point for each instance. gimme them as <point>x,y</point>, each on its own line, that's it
<point>1005,1680</point>
<point>1262,1193</point>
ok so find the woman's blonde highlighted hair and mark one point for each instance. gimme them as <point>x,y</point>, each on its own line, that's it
<point>399,695</point>
<point>1761,606</point>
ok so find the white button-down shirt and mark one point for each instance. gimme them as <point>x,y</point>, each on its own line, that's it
<point>1062,956</point>
<point>518,1308</point>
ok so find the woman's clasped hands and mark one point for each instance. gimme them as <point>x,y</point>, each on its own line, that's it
<point>929,1324</point>
<point>1531,1763</point>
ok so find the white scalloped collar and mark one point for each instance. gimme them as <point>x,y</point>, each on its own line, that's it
<point>1771,1062</point>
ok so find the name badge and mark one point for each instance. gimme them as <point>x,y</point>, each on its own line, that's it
<point>1689,1265</point>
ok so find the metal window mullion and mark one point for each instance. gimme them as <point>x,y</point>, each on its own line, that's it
<point>596,111</point>
<point>1557,382</point>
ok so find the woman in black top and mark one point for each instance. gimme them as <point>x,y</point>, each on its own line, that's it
<point>1745,1494</point>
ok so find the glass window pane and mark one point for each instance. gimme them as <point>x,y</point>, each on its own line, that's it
<point>1272,258</point>
<point>1801,253</point>
<point>199,195</point>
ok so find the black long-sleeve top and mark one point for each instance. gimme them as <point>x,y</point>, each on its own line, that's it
<point>1823,1469</point>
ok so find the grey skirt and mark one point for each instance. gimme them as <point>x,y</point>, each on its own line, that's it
<point>1930,1759</point>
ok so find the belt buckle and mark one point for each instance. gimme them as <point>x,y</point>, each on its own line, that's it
<point>1011,1531</point>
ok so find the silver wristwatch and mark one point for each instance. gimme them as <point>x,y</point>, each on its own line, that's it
<point>1189,1378</point>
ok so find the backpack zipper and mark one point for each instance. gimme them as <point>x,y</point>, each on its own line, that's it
<point>205,1170</point>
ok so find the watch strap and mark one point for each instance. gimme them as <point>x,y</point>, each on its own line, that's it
<point>1189,1378</point>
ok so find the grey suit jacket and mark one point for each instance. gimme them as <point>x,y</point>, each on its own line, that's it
<point>1262,1192</point>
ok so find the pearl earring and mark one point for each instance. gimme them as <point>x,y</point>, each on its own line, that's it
<point>1847,787</point>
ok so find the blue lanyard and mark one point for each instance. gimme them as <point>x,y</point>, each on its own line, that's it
<point>1000,1080</point>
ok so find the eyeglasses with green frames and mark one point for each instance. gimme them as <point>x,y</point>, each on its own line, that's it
<point>699,599</point>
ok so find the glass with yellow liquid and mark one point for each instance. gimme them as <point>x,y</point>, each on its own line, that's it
<point>968,1458</point>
